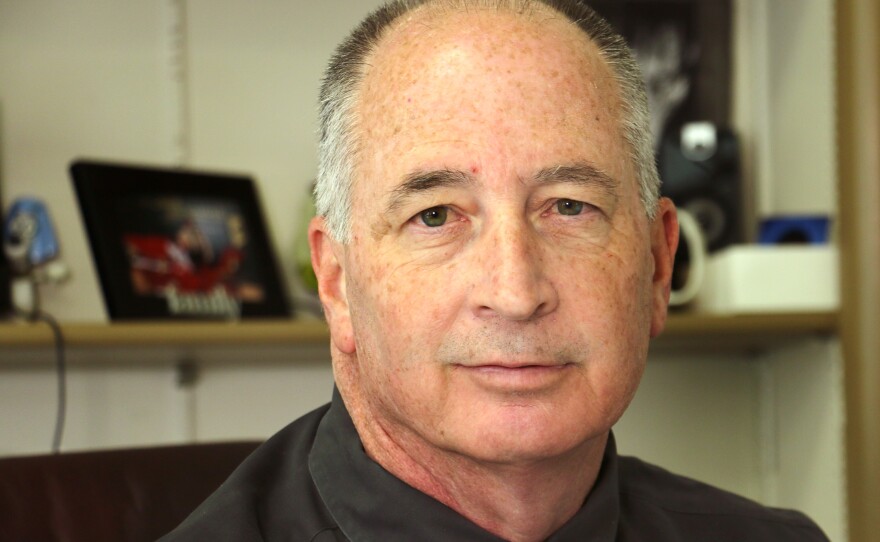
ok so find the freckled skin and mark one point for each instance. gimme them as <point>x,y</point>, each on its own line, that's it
<point>507,278</point>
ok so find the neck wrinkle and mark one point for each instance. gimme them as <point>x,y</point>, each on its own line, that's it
<point>520,503</point>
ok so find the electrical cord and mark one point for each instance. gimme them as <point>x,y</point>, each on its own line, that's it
<point>36,314</point>
<point>61,368</point>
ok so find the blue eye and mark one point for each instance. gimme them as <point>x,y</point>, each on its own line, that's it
<point>434,217</point>
<point>569,207</point>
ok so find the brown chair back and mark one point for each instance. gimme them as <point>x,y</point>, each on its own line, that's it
<point>116,495</point>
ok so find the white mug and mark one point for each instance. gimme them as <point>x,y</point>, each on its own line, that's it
<point>692,235</point>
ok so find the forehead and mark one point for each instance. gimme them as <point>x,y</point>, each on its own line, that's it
<point>482,73</point>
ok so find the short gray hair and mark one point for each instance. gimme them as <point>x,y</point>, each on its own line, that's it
<point>337,148</point>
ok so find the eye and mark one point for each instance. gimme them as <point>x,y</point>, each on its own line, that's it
<point>569,207</point>
<point>434,217</point>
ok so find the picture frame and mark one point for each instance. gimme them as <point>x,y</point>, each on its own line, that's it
<point>178,244</point>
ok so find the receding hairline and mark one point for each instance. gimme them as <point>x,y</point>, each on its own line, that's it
<point>533,11</point>
<point>441,8</point>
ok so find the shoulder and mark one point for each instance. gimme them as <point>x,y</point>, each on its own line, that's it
<point>653,498</point>
<point>259,497</point>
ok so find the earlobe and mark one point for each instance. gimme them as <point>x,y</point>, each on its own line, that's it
<point>664,243</point>
<point>327,256</point>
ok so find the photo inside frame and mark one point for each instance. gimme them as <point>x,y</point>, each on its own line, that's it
<point>192,248</point>
<point>178,244</point>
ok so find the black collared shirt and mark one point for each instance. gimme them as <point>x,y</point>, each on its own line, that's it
<point>312,482</point>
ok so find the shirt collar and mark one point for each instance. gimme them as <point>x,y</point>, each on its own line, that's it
<point>369,503</point>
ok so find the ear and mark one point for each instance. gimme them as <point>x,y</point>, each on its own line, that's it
<point>664,242</point>
<point>327,258</point>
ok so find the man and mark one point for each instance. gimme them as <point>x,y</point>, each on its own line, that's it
<point>493,258</point>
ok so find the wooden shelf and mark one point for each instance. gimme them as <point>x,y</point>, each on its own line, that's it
<point>683,331</point>
<point>745,332</point>
<point>282,332</point>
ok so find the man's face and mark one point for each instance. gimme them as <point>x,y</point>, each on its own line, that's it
<point>503,280</point>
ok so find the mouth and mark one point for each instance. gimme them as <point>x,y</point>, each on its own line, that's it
<point>516,377</point>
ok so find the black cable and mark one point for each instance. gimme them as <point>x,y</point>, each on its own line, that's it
<point>38,315</point>
<point>61,366</point>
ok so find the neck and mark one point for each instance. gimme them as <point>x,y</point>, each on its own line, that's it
<point>525,501</point>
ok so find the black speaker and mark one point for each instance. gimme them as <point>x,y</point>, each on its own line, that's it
<point>700,169</point>
<point>5,290</point>
<point>5,284</point>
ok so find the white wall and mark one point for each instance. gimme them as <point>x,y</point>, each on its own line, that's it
<point>784,104</point>
<point>713,435</point>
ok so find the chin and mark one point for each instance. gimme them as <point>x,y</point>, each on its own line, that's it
<point>523,434</point>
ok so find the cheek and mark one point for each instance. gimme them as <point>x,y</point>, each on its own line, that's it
<point>604,281</point>
<point>400,312</point>
<point>609,297</point>
<point>415,292</point>
<point>615,326</point>
<point>396,321</point>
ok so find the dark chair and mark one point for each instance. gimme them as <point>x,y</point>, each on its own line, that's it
<point>116,495</point>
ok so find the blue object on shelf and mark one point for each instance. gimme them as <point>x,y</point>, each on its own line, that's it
<point>29,238</point>
<point>809,230</point>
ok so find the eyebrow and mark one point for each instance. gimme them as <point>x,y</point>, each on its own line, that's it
<point>580,174</point>
<point>424,181</point>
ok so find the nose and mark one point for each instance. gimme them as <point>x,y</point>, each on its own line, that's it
<point>514,282</point>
